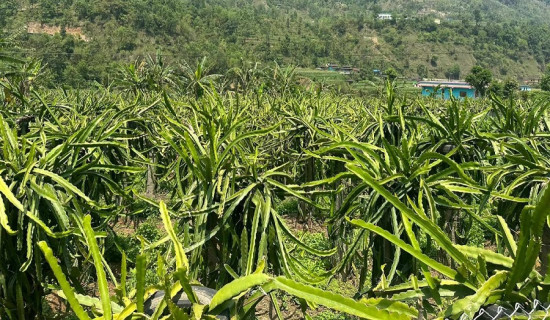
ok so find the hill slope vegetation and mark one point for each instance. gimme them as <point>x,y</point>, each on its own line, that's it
<point>425,38</point>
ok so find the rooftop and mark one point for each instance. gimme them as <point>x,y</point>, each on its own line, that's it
<point>445,84</point>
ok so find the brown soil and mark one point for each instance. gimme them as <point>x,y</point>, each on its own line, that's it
<point>291,310</point>
<point>266,311</point>
<point>297,225</point>
<point>38,28</point>
<point>263,310</point>
<point>57,304</point>
<point>124,227</point>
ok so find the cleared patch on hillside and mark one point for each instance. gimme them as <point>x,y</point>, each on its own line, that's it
<point>40,28</point>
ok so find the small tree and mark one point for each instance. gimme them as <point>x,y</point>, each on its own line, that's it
<point>453,72</point>
<point>391,74</point>
<point>505,89</point>
<point>480,78</point>
<point>434,60</point>
<point>545,81</point>
<point>422,71</point>
<point>510,87</point>
<point>477,16</point>
<point>495,88</point>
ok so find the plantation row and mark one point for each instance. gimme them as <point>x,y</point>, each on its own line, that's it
<point>436,208</point>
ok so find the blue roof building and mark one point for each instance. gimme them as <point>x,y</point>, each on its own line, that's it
<point>332,67</point>
<point>446,89</point>
<point>525,88</point>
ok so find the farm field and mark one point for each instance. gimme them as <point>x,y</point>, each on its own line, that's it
<point>189,195</point>
<point>352,82</point>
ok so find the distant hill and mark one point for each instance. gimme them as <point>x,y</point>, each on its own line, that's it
<point>535,10</point>
<point>84,39</point>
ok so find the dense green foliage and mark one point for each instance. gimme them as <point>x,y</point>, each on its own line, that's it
<point>512,39</point>
<point>545,81</point>
<point>412,193</point>
<point>480,78</point>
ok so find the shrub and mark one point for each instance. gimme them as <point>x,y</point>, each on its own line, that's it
<point>289,206</point>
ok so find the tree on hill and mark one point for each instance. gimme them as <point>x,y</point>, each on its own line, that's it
<point>391,74</point>
<point>290,32</point>
<point>422,71</point>
<point>510,87</point>
<point>545,81</point>
<point>506,89</point>
<point>480,78</point>
<point>495,88</point>
<point>453,72</point>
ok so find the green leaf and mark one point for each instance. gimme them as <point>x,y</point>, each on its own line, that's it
<point>331,300</point>
<point>181,258</point>
<point>64,183</point>
<point>46,229</point>
<point>10,59</point>
<point>181,275</point>
<point>295,193</point>
<point>236,287</point>
<point>427,226</point>
<point>242,137</point>
<point>286,230</point>
<point>392,306</point>
<point>259,203</point>
<point>508,237</point>
<point>471,304</point>
<point>416,246</point>
<point>456,167</point>
<point>91,302</point>
<point>531,228</point>
<point>123,275</point>
<point>488,255</point>
<point>100,144</point>
<point>409,249</point>
<point>141,261</point>
<point>4,218</point>
<point>4,189</point>
<point>100,271</point>
<point>65,286</point>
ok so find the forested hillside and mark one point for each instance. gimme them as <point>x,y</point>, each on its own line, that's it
<point>80,39</point>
